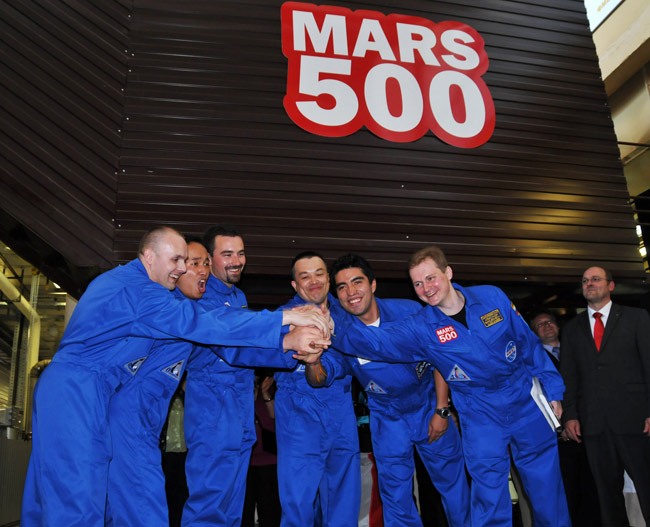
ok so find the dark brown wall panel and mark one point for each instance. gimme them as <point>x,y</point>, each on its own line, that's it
<point>63,68</point>
<point>207,139</point>
<point>122,114</point>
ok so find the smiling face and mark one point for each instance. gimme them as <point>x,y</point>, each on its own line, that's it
<point>356,294</point>
<point>228,259</point>
<point>165,259</point>
<point>431,284</point>
<point>311,280</point>
<point>546,329</point>
<point>192,283</point>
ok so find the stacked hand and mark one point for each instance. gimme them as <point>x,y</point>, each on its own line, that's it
<point>312,337</point>
<point>309,315</point>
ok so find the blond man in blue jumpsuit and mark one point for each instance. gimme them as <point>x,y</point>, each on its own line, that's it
<point>485,351</point>
<point>407,409</point>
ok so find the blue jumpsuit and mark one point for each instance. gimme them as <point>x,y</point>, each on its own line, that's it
<point>318,449</point>
<point>488,365</point>
<point>219,422</point>
<point>109,337</point>
<point>402,401</point>
<point>137,414</point>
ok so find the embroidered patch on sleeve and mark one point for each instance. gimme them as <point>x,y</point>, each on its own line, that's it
<point>511,351</point>
<point>491,318</point>
<point>514,308</point>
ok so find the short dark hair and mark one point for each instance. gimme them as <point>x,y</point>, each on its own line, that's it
<point>221,229</point>
<point>302,256</point>
<point>152,237</point>
<point>537,313</point>
<point>348,261</point>
<point>190,238</point>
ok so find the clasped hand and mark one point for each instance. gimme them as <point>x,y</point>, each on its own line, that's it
<point>310,330</point>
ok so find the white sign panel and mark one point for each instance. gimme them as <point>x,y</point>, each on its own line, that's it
<point>598,10</point>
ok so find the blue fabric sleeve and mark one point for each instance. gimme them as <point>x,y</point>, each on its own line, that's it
<point>336,366</point>
<point>391,342</point>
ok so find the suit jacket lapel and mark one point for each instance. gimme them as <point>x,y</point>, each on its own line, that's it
<point>586,328</point>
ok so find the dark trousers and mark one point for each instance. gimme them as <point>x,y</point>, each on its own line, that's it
<point>579,485</point>
<point>609,454</point>
<point>262,490</point>
<point>173,465</point>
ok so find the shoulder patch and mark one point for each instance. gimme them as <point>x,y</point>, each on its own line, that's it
<point>491,318</point>
<point>373,387</point>
<point>514,308</point>
<point>134,365</point>
<point>457,374</point>
<point>174,370</point>
<point>511,351</point>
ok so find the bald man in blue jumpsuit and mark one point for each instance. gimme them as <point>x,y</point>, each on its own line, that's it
<point>488,355</point>
<point>402,402</point>
<point>110,335</point>
<point>137,413</point>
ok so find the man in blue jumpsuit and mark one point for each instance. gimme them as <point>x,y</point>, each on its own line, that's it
<point>110,335</point>
<point>488,355</point>
<point>402,401</point>
<point>137,413</point>
<point>219,405</point>
<point>316,429</point>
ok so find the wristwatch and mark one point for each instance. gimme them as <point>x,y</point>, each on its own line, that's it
<point>444,412</point>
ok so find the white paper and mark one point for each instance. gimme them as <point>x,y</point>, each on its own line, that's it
<point>538,396</point>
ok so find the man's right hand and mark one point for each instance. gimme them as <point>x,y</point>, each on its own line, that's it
<point>572,428</point>
<point>304,341</point>
<point>307,315</point>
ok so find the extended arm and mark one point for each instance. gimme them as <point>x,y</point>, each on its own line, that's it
<point>391,342</point>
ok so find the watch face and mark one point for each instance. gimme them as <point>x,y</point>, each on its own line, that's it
<point>443,412</point>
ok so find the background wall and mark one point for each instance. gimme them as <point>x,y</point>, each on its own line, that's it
<point>202,137</point>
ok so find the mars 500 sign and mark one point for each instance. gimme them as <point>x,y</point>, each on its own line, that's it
<point>397,75</point>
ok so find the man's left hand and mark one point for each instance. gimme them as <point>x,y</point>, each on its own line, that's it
<point>437,427</point>
<point>646,429</point>
<point>557,408</point>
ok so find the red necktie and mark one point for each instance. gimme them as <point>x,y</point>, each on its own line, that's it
<point>599,329</point>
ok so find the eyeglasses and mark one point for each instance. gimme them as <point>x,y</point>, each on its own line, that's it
<point>544,324</point>
<point>594,280</point>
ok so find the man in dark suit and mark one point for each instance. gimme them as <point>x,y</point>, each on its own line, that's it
<point>581,494</point>
<point>605,363</point>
